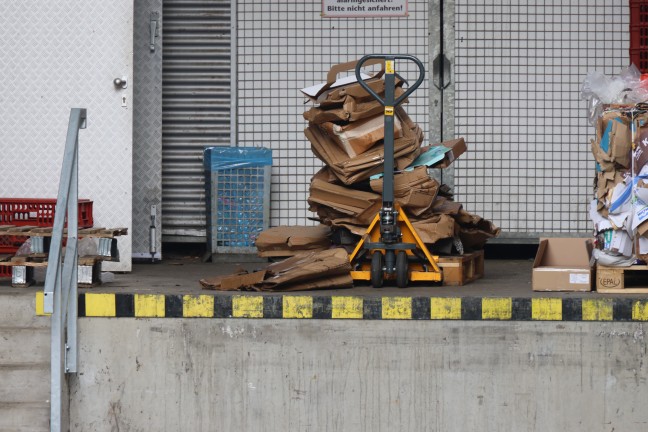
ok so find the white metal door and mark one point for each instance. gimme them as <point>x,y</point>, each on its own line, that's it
<point>56,55</point>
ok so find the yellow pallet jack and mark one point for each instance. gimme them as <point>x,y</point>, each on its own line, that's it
<point>391,248</point>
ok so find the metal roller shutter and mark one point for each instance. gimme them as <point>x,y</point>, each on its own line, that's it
<point>195,109</point>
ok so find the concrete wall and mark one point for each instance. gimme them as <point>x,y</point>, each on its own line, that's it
<point>322,375</point>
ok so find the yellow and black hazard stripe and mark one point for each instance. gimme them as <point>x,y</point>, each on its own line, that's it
<point>356,307</point>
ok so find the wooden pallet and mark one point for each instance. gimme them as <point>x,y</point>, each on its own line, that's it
<point>89,270</point>
<point>463,269</point>
<point>34,231</point>
<point>622,280</point>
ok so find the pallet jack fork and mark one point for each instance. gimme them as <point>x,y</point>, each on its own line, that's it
<point>391,247</point>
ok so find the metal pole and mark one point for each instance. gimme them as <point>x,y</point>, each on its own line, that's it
<point>61,281</point>
<point>388,185</point>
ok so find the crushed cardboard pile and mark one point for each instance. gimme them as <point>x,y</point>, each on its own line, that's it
<point>619,210</point>
<point>345,129</point>
<point>305,271</point>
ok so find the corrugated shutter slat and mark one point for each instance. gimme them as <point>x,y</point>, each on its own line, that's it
<point>195,108</point>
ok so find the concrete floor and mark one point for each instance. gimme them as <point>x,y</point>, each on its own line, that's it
<point>181,275</point>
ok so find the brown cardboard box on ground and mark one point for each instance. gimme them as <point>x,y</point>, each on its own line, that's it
<point>563,264</point>
<point>305,271</point>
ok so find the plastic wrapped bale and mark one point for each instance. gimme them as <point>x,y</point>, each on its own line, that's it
<point>237,181</point>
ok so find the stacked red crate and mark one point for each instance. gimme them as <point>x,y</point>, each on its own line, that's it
<point>33,212</point>
<point>639,34</point>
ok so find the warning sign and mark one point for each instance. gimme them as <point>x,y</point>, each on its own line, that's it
<point>363,8</point>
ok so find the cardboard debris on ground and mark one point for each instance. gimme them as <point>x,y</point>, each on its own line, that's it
<point>305,271</point>
<point>284,241</point>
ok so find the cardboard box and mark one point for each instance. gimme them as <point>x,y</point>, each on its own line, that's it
<point>613,142</point>
<point>563,264</point>
<point>351,170</point>
<point>358,137</point>
<point>359,205</point>
<point>456,148</point>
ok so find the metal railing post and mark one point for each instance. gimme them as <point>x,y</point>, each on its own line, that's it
<point>60,293</point>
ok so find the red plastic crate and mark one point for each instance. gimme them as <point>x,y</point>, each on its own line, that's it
<point>37,212</point>
<point>639,57</point>
<point>639,34</point>
<point>5,271</point>
<point>639,37</point>
<point>638,12</point>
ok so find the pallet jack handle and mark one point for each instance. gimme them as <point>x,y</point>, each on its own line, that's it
<point>364,61</point>
<point>388,213</point>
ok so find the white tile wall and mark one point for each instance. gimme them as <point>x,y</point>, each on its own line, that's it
<point>518,70</point>
<point>285,46</point>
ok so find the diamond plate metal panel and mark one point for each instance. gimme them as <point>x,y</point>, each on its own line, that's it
<point>147,128</point>
<point>55,56</point>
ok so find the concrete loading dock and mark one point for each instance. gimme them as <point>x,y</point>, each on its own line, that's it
<point>512,69</point>
<point>559,361</point>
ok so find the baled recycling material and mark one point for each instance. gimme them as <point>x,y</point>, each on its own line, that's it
<point>619,210</point>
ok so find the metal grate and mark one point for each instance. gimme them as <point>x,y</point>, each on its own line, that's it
<point>284,46</point>
<point>240,200</point>
<point>518,70</point>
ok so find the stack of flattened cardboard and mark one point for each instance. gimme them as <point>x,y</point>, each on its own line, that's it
<point>620,208</point>
<point>346,132</point>
<point>304,271</point>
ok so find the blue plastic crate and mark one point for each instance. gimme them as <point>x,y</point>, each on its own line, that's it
<point>238,197</point>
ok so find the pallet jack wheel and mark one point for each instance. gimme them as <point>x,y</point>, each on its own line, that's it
<point>377,269</point>
<point>401,269</point>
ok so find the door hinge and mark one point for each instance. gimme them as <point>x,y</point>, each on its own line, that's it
<point>154,29</point>
<point>441,71</point>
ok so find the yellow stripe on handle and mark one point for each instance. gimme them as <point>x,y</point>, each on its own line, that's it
<point>389,66</point>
